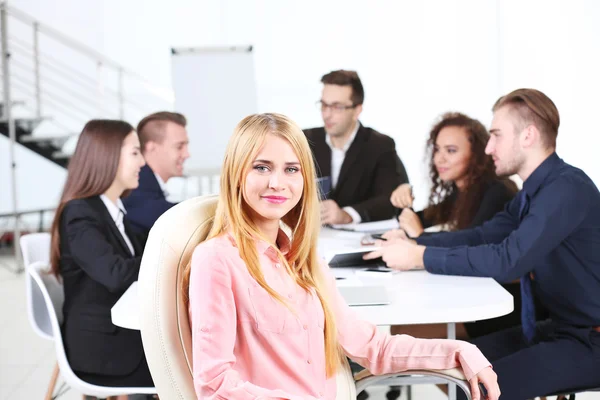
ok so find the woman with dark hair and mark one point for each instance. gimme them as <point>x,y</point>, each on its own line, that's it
<point>465,193</point>
<point>98,257</point>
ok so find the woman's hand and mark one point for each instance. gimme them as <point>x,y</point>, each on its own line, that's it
<point>402,196</point>
<point>489,379</point>
<point>410,223</point>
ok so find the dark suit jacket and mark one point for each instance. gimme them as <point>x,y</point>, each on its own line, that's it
<point>96,267</point>
<point>370,172</point>
<point>146,203</point>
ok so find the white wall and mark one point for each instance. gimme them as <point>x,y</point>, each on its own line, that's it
<point>416,59</point>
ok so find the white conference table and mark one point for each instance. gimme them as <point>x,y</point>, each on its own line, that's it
<point>417,297</point>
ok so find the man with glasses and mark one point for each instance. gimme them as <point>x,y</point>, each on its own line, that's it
<point>358,167</point>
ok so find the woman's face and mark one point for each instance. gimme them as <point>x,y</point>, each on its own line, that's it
<point>451,154</point>
<point>274,183</point>
<point>130,162</point>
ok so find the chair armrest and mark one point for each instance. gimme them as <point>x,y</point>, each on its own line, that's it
<point>364,378</point>
<point>452,372</point>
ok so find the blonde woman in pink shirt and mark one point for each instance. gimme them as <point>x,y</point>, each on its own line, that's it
<point>267,319</point>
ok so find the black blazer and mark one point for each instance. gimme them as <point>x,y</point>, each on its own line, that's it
<point>146,203</point>
<point>96,267</point>
<point>370,172</point>
<point>495,197</point>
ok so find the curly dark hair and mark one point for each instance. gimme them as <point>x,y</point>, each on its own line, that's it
<point>448,205</point>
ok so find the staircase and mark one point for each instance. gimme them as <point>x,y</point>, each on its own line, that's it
<point>48,147</point>
<point>51,86</point>
<point>56,84</point>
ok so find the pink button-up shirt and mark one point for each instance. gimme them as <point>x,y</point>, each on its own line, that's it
<point>247,345</point>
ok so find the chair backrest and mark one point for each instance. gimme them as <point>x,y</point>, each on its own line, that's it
<point>164,321</point>
<point>35,247</point>
<point>52,294</point>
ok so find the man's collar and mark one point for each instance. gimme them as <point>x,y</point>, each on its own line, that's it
<point>539,175</point>
<point>350,139</point>
<point>161,183</point>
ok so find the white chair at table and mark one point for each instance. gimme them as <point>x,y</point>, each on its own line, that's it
<point>35,247</point>
<point>52,292</point>
<point>164,322</point>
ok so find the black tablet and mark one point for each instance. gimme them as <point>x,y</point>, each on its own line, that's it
<point>354,260</point>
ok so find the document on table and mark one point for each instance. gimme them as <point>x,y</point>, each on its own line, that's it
<point>376,226</point>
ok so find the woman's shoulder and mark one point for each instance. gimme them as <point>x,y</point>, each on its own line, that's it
<point>218,248</point>
<point>81,207</point>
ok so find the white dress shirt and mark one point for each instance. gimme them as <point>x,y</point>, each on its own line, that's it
<point>337,159</point>
<point>117,211</point>
<point>162,184</point>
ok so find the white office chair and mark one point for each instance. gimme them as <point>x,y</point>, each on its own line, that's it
<point>35,247</point>
<point>52,292</point>
<point>164,323</point>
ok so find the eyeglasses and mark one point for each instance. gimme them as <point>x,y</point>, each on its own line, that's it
<point>335,107</point>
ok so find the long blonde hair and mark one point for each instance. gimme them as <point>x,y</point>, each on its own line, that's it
<point>233,214</point>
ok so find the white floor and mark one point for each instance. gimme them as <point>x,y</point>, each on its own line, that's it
<point>26,360</point>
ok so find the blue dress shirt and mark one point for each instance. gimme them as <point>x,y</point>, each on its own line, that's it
<point>557,239</point>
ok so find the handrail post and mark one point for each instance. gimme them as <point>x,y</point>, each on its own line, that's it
<point>100,88</point>
<point>36,69</point>
<point>11,129</point>
<point>121,95</point>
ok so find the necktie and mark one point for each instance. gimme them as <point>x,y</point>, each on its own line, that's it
<point>527,304</point>
<point>119,221</point>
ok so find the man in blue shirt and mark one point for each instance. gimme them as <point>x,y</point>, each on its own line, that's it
<point>548,236</point>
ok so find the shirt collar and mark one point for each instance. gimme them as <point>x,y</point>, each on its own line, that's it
<point>113,209</point>
<point>348,143</point>
<point>161,183</point>
<point>539,175</point>
<point>266,248</point>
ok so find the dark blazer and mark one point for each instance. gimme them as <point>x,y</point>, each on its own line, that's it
<point>146,203</point>
<point>370,172</point>
<point>495,197</point>
<point>96,267</point>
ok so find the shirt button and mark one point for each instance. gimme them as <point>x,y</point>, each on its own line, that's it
<point>290,296</point>
<point>305,327</point>
<point>308,361</point>
<point>278,265</point>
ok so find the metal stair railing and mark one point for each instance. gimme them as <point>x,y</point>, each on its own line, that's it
<point>62,94</point>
